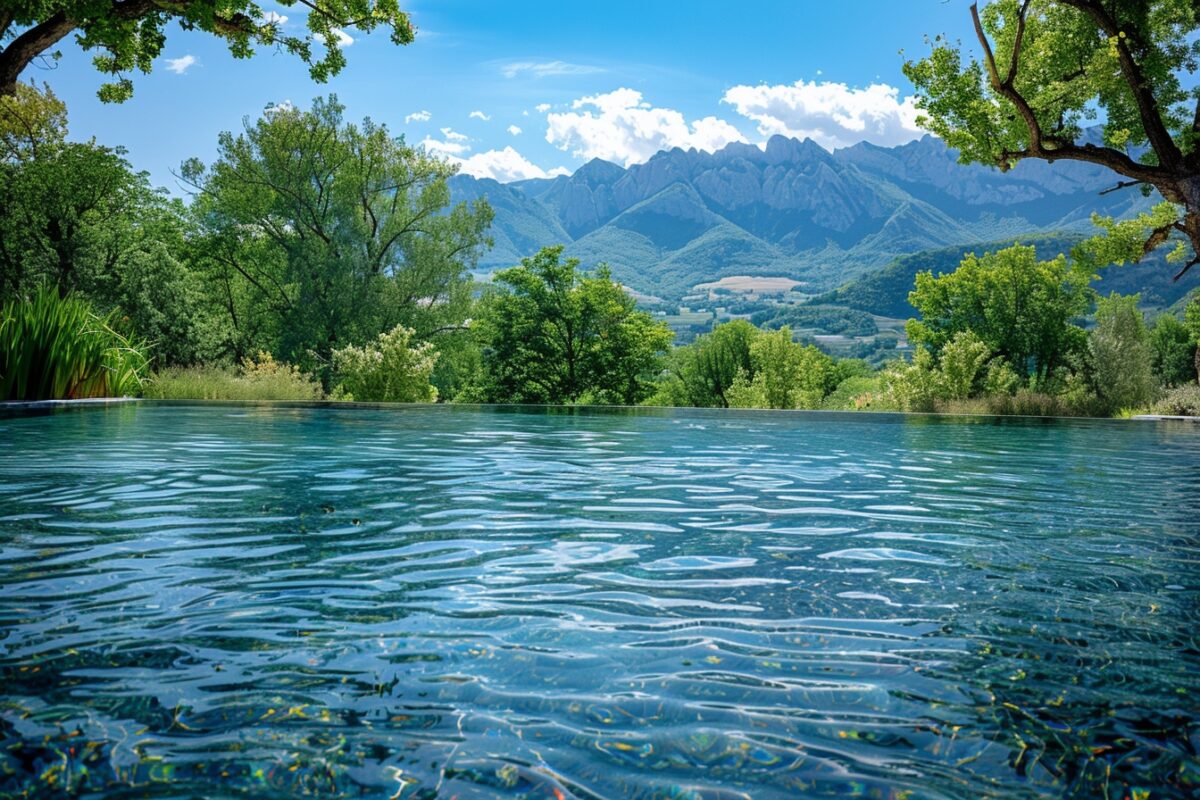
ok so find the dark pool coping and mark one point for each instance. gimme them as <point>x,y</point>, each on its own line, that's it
<point>37,405</point>
<point>43,406</point>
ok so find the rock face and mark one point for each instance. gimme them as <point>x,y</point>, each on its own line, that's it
<point>790,208</point>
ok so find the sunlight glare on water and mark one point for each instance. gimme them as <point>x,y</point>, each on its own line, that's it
<point>440,602</point>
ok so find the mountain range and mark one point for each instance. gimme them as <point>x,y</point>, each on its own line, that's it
<point>789,209</point>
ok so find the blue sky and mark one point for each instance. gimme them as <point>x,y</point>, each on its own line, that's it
<point>553,83</point>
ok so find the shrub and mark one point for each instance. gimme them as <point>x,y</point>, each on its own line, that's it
<point>260,378</point>
<point>1172,351</point>
<point>962,359</point>
<point>915,386</point>
<point>858,393</point>
<point>54,348</point>
<point>1001,378</point>
<point>1182,401</point>
<point>386,370</point>
<point>1120,354</point>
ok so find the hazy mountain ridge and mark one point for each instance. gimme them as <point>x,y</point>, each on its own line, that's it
<point>791,209</point>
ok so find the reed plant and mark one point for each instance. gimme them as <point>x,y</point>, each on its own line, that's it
<point>59,348</point>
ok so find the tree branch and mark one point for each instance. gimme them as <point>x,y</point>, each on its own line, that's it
<point>1120,185</point>
<point>1143,93</point>
<point>26,47</point>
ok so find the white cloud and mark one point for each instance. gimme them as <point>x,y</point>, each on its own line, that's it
<point>451,144</point>
<point>502,165</point>
<point>181,65</point>
<point>274,108</point>
<point>417,116</point>
<point>514,130</point>
<point>479,115</point>
<point>339,39</point>
<point>273,18</point>
<point>831,114</point>
<point>542,108</point>
<point>543,69</point>
<point>554,173</point>
<point>620,126</point>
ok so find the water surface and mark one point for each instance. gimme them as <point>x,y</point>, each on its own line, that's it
<point>438,602</point>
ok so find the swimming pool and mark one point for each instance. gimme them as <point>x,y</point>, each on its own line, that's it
<point>498,602</point>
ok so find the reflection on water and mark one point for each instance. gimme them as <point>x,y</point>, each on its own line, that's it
<point>492,603</point>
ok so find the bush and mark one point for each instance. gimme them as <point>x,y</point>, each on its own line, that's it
<point>1172,351</point>
<point>915,386</point>
<point>1182,401</point>
<point>1120,354</point>
<point>962,359</point>
<point>55,348</point>
<point>386,370</point>
<point>1001,378</point>
<point>858,393</point>
<point>261,378</point>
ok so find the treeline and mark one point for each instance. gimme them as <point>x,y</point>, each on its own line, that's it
<point>320,258</point>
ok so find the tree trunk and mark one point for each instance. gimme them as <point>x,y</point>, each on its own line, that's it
<point>28,46</point>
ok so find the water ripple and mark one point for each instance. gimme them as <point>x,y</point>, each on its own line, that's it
<point>487,603</point>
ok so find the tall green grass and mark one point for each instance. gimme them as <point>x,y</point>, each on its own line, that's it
<point>58,348</point>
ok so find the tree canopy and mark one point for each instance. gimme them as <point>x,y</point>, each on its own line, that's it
<point>551,333</point>
<point>321,233</point>
<point>127,35</point>
<point>1020,308</point>
<point>1049,68</point>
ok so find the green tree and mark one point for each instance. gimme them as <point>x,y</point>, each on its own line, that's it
<point>1020,308</point>
<point>1049,67</point>
<point>320,234</point>
<point>1120,353</point>
<point>702,373</point>
<point>75,217</point>
<point>1172,351</point>
<point>64,206</point>
<point>550,333</point>
<point>128,35</point>
<point>784,374</point>
<point>1191,318</point>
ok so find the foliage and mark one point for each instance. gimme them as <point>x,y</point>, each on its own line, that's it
<point>54,348</point>
<point>74,216</point>
<point>1020,308</point>
<point>260,378</point>
<point>962,362</point>
<point>1120,353</point>
<point>129,35</point>
<point>390,369</point>
<point>553,334</point>
<point>857,393</point>
<point>784,374</point>
<point>1051,66</point>
<point>1182,401</point>
<point>322,233</point>
<point>1172,351</point>
<point>828,319</point>
<point>702,373</point>
<point>1000,378</point>
<point>62,204</point>
<point>915,385</point>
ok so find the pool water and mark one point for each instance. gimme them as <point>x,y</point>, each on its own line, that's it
<point>437,602</point>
